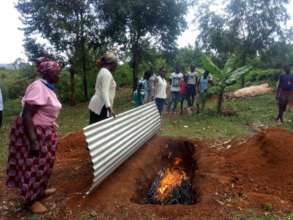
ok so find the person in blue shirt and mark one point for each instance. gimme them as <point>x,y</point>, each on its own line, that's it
<point>204,82</point>
<point>284,95</point>
<point>140,93</point>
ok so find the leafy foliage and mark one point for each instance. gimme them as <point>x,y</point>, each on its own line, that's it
<point>139,24</point>
<point>245,27</point>
<point>227,76</point>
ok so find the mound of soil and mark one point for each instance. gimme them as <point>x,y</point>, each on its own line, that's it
<point>227,179</point>
<point>262,168</point>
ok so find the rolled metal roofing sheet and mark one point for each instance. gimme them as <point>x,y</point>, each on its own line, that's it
<point>112,141</point>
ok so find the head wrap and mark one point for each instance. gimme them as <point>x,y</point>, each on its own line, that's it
<point>46,66</point>
<point>107,58</point>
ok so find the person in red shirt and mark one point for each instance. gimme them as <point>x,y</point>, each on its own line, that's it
<point>183,92</point>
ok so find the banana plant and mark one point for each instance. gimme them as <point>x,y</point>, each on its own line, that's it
<point>226,76</point>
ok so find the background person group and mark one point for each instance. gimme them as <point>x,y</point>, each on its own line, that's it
<point>180,89</point>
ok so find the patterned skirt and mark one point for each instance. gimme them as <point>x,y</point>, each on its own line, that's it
<point>30,174</point>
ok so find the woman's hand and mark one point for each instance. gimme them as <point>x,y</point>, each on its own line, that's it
<point>112,114</point>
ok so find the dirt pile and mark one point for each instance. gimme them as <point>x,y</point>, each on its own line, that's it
<point>227,179</point>
<point>262,168</point>
<point>252,91</point>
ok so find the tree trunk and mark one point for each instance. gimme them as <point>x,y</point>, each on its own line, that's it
<point>243,62</point>
<point>134,74</point>
<point>83,59</point>
<point>135,65</point>
<point>72,87</point>
<point>221,100</point>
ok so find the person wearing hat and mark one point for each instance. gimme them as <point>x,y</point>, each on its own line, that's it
<point>33,138</point>
<point>101,103</point>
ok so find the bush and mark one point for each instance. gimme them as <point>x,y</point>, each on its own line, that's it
<point>263,75</point>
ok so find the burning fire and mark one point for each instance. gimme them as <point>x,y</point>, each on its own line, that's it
<point>170,179</point>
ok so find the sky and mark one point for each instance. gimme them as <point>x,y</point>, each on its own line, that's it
<point>11,37</point>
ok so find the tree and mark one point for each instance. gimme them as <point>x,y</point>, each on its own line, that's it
<point>133,24</point>
<point>226,76</point>
<point>69,26</point>
<point>246,27</point>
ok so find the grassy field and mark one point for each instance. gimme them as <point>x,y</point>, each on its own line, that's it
<point>251,113</point>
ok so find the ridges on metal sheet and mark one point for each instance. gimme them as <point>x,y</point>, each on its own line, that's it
<point>112,141</point>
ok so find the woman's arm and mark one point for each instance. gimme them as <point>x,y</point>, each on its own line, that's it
<point>27,116</point>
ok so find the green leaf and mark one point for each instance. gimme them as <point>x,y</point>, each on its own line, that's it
<point>238,73</point>
<point>229,65</point>
<point>210,66</point>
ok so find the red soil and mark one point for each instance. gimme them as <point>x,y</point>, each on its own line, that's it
<point>247,175</point>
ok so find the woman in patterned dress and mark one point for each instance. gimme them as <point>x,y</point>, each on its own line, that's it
<point>33,138</point>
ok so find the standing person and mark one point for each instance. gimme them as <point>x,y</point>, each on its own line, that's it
<point>33,138</point>
<point>284,94</point>
<point>1,108</point>
<point>183,93</point>
<point>204,82</point>
<point>191,86</point>
<point>160,90</point>
<point>176,77</point>
<point>101,103</point>
<point>151,85</point>
<point>140,93</point>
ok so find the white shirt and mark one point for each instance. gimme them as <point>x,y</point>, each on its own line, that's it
<point>105,89</point>
<point>161,88</point>
<point>1,101</point>
<point>191,78</point>
<point>176,78</point>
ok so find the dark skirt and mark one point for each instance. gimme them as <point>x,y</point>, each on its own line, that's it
<point>30,174</point>
<point>96,118</point>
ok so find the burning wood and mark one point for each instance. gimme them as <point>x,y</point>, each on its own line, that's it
<point>171,186</point>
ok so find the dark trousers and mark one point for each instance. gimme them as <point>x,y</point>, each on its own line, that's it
<point>1,118</point>
<point>175,98</point>
<point>191,92</point>
<point>160,104</point>
<point>282,104</point>
<point>96,118</point>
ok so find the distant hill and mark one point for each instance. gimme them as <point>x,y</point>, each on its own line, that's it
<point>7,66</point>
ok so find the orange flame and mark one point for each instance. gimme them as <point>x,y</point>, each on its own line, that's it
<point>177,161</point>
<point>171,179</point>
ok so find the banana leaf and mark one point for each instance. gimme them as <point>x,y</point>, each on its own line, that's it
<point>236,74</point>
<point>210,66</point>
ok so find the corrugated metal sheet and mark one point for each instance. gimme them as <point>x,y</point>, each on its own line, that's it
<point>112,141</point>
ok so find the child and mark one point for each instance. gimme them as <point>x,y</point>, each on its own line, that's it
<point>183,93</point>
<point>204,82</point>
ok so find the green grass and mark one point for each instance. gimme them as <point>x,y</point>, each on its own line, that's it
<point>258,110</point>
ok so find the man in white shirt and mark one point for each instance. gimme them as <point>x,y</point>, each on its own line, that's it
<point>175,77</point>
<point>1,108</point>
<point>192,80</point>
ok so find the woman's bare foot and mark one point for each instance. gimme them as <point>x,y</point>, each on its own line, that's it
<point>50,191</point>
<point>38,208</point>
